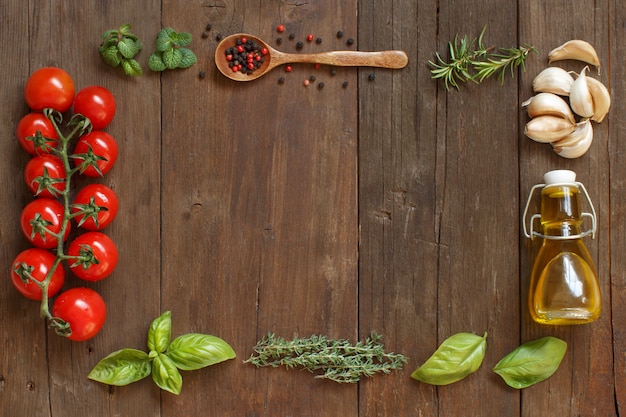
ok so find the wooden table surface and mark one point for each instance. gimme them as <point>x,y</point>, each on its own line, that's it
<point>389,205</point>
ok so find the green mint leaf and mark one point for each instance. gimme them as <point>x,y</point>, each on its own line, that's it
<point>457,357</point>
<point>125,29</point>
<point>160,333</point>
<point>188,58</point>
<point>183,38</point>
<point>166,375</point>
<point>164,40</point>
<point>195,351</point>
<point>132,67</point>
<point>122,367</point>
<point>111,56</point>
<point>155,63</point>
<point>531,362</point>
<point>172,58</point>
<point>128,48</point>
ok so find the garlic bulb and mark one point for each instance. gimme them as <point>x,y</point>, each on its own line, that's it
<point>575,49</point>
<point>548,104</point>
<point>553,80</point>
<point>546,129</point>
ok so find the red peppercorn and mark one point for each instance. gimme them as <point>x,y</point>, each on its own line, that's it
<point>240,48</point>
<point>280,28</point>
<point>250,65</point>
<point>229,57</point>
<point>264,51</point>
<point>309,38</point>
<point>317,66</point>
<point>244,39</point>
<point>288,68</point>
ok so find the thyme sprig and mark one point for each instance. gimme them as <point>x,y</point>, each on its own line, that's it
<point>337,359</point>
<point>471,60</point>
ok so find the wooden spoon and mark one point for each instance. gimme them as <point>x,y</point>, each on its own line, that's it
<point>274,58</point>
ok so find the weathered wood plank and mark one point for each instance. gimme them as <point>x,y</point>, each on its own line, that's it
<point>259,209</point>
<point>584,383</point>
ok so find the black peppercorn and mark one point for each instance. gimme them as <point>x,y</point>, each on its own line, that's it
<point>371,77</point>
<point>312,78</point>
<point>345,84</point>
<point>318,40</point>
<point>281,80</point>
<point>219,37</point>
<point>202,74</point>
<point>320,86</point>
<point>299,45</point>
<point>208,27</point>
<point>292,36</point>
<point>340,34</point>
<point>350,41</point>
<point>279,41</point>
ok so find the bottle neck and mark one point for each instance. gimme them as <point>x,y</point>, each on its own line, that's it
<point>560,210</point>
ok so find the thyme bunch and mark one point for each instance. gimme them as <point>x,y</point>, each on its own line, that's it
<point>337,359</point>
<point>471,60</point>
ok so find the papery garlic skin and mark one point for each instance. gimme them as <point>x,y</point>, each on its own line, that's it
<point>548,104</point>
<point>577,143</point>
<point>553,80</point>
<point>600,97</point>
<point>575,49</point>
<point>580,97</point>
<point>547,129</point>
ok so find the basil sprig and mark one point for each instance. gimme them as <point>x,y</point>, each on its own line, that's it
<point>531,362</point>
<point>166,357</point>
<point>457,357</point>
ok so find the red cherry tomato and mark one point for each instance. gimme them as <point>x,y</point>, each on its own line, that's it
<point>97,104</point>
<point>49,87</point>
<point>96,147</point>
<point>45,175</point>
<point>98,255</point>
<point>83,309</point>
<point>40,217</point>
<point>96,206</point>
<point>27,129</point>
<point>37,263</point>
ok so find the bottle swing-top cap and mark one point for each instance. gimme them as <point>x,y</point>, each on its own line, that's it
<point>557,177</point>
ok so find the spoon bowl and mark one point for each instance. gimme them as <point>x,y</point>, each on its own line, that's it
<point>274,58</point>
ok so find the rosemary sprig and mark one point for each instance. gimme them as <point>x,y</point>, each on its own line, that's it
<point>338,360</point>
<point>470,60</point>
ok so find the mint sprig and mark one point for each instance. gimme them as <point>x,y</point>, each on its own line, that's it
<point>165,358</point>
<point>119,48</point>
<point>171,51</point>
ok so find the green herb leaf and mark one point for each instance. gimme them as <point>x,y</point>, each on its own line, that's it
<point>457,357</point>
<point>155,63</point>
<point>164,40</point>
<point>111,56</point>
<point>166,375</point>
<point>172,58</point>
<point>128,48</point>
<point>195,351</point>
<point>160,333</point>
<point>183,38</point>
<point>122,367</point>
<point>188,58</point>
<point>531,362</point>
<point>132,67</point>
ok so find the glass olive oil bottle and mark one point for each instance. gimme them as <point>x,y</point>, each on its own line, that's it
<point>564,285</point>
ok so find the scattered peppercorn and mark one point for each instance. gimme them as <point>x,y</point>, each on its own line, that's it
<point>371,77</point>
<point>208,27</point>
<point>281,80</point>
<point>219,37</point>
<point>317,65</point>
<point>292,36</point>
<point>345,84</point>
<point>350,41</point>
<point>340,34</point>
<point>279,41</point>
<point>202,74</point>
<point>309,38</point>
<point>299,45</point>
<point>320,86</point>
<point>205,35</point>
<point>288,68</point>
<point>306,83</point>
<point>318,40</point>
<point>312,78</point>
<point>280,28</point>
<point>333,72</point>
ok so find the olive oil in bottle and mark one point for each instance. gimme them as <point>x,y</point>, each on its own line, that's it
<point>564,286</point>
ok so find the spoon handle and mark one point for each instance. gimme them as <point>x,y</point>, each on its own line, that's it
<point>382,59</point>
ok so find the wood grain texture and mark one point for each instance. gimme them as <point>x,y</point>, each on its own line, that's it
<point>386,204</point>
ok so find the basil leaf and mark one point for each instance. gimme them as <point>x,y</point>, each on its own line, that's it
<point>458,356</point>
<point>195,351</point>
<point>166,375</point>
<point>160,333</point>
<point>121,368</point>
<point>531,362</point>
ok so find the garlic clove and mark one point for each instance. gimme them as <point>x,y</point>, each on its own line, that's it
<point>576,143</point>
<point>548,104</point>
<point>600,97</point>
<point>547,129</point>
<point>554,80</point>
<point>580,97</point>
<point>575,49</point>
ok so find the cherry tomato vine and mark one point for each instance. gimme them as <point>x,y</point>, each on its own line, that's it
<point>60,151</point>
